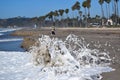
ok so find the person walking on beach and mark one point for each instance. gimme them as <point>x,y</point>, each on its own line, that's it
<point>53,31</point>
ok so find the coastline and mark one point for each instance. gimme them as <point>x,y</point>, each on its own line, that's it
<point>91,35</point>
<point>30,35</point>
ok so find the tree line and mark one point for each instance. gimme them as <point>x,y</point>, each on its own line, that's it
<point>80,19</point>
<point>61,18</point>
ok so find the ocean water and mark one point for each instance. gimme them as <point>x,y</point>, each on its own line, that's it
<point>9,43</point>
<point>75,62</point>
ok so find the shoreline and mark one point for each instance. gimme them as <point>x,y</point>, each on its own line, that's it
<point>47,31</point>
<point>101,36</point>
<point>30,35</point>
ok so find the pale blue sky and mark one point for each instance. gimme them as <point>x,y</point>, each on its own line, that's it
<point>33,8</point>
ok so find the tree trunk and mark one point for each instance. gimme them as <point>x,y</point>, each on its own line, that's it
<point>88,17</point>
<point>86,24</point>
<point>73,21</point>
<point>102,22</point>
<point>117,13</point>
<point>109,11</point>
<point>115,3</point>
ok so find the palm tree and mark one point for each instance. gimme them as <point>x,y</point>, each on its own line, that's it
<point>102,11</point>
<point>116,6</point>
<point>61,12</point>
<point>76,6</point>
<point>56,14</point>
<point>88,6</point>
<point>84,4</point>
<point>80,13</point>
<point>67,11</point>
<point>116,11</point>
<point>108,6</point>
<point>41,20</point>
<point>50,16</point>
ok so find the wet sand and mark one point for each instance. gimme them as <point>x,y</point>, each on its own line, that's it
<point>104,39</point>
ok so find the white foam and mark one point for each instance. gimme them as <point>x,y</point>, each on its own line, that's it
<point>73,62</point>
<point>8,40</point>
<point>1,34</point>
<point>19,65</point>
<point>9,29</point>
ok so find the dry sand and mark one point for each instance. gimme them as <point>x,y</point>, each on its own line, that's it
<point>107,38</point>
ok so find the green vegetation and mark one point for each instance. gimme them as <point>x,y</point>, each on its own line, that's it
<point>61,18</point>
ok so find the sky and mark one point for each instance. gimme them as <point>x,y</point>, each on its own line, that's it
<point>36,8</point>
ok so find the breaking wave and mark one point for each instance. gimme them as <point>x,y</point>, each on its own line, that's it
<point>7,40</point>
<point>1,34</point>
<point>9,29</point>
<point>69,60</point>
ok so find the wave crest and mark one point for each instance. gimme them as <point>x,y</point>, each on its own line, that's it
<point>69,58</point>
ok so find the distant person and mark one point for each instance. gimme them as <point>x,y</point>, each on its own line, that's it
<point>35,26</point>
<point>53,31</point>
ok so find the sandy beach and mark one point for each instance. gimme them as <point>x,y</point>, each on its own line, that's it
<point>108,39</point>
